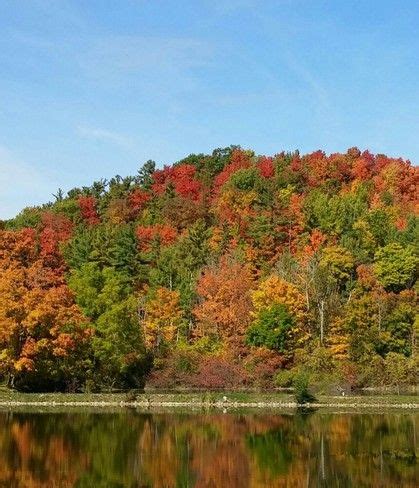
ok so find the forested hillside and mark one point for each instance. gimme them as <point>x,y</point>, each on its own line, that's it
<point>222,270</point>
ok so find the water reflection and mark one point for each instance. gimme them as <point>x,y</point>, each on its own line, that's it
<point>132,449</point>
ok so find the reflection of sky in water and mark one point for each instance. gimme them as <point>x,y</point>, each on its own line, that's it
<point>131,449</point>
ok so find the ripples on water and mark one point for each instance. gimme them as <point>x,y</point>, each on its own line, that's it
<point>133,449</point>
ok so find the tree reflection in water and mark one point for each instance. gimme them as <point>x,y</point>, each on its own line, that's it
<point>133,449</point>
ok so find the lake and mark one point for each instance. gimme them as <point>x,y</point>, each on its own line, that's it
<point>128,448</point>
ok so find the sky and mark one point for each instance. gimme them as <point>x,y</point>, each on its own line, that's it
<point>90,89</point>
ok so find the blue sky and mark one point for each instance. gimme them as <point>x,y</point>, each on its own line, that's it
<point>89,89</point>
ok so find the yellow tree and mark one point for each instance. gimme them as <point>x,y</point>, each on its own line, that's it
<point>276,291</point>
<point>162,318</point>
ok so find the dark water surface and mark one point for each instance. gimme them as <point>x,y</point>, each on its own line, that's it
<point>133,449</point>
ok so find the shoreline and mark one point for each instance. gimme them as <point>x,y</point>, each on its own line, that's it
<point>205,400</point>
<point>218,405</point>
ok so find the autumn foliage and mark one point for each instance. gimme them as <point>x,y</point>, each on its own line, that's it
<point>88,210</point>
<point>40,324</point>
<point>224,304</point>
<point>221,270</point>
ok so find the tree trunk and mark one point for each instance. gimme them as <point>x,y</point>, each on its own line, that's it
<point>321,316</point>
<point>11,380</point>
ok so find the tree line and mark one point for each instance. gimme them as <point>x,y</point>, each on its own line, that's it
<point>222,270</point>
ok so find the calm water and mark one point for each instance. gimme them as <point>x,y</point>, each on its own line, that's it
<point>132,449</point>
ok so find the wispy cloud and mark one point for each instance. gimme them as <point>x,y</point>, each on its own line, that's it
<point>21,184</point>
<point>104,135</point>
<point>132,61</point>
<point>309,77</point>
<point>138,61</point>
<point>134,53</point>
